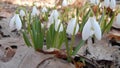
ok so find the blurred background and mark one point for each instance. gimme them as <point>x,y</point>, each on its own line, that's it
<point>29,2</point>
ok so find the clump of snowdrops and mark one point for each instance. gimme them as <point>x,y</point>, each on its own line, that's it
<point>51,27</point>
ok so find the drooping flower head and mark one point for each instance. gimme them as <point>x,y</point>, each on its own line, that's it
<point>117,21</point>
<point>72,25</point>
<point>44,10</point>
<point>15,22</point>
<point>22,13</point>
<point>95,2</point>
<point>35,11</point>
<point>53,17</point>
<point>106,3</point>
<point>110,3</point>
<point>65,3</point>
<point>91,28</point>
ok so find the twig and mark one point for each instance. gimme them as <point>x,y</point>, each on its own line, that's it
<point>44,61</point>
<point>90,61</point>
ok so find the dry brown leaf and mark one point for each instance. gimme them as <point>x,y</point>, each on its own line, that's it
<point>79,64</point>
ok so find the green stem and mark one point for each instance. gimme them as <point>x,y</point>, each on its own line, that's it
<point>29,27</point>
<point>71,45</point>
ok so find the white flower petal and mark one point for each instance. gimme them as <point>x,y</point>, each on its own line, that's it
<point>64,3</point>
<point>12,23</point>
<point>53,17</point>
<point>97,29</point>
<point>77,29</point>
<point>96,2</point>
<point>112,4</point>
<point>44,9</point>
<point>18,22</point>
<point>57,24</point>
<point>61,28</point>
<point>55,14</point>
<point>42,25</point>
<point>117,21</point>
<point>35,11</point>
<point>86,32</point>
<point>48,25</point>
<point>92,1</point>
<point>22,13</point>
<point>90,28</point>
<point>106,3</point>
<point>51,20</point>
<point>71,26</point>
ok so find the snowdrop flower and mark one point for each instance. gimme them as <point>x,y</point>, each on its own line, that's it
<point>91,28</point>
<point>59,26</point>
<point>44,9</point>
<point>64,3</point>
<point>15,22</point>
<point>71,26</point>
<point>106,3</point>
<point>96,2</point>
<point>35,11</point>
<point>112,4</point>
<point>53,17</point>
<point>117,21</point>
<point>22,13</point>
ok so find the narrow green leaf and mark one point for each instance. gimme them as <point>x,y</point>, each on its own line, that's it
<point>78,47</point>
<point>82,9</point>
<point>34,35</point>
<point>50,36</point>
<point>26,39</point>
<point>102,18</point>
<point>102,21</point>
<point>61,39</point>
<point>48,39</point>
<point>109,25</point>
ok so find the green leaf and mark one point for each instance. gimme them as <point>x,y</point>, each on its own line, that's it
<point>102,18</point>
<point>39,36</point>
<point>78,47</point>
<point>50,37</point>
<point>109,25</point>
<point>26,39</point>
<point>61,40</point>
<point>102,21</point>
<point>82,9</point>
<point>37,33</point>
<point>48,40</point>
<point>34,33</point>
